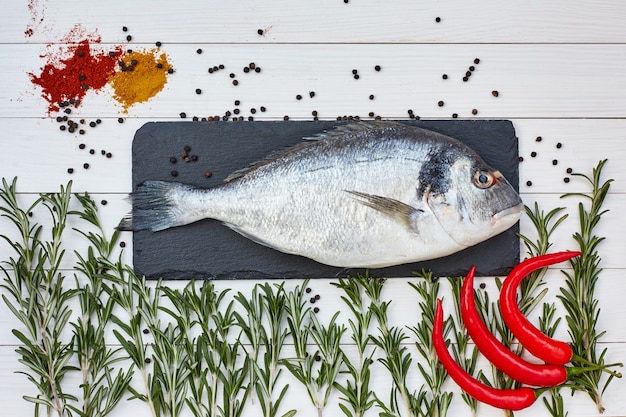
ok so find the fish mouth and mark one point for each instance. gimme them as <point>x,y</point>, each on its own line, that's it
<point>509,212</point>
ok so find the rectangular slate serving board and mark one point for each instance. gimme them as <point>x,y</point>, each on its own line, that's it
<point>210,250</point>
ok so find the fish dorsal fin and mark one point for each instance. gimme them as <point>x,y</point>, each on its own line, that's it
<point>267,160</point>
<point>397,210</point>
<point>341,131</point>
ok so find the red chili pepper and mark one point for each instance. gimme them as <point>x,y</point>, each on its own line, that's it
<point>508,399</point>
<point>536,342</point>
<point>498,354</point>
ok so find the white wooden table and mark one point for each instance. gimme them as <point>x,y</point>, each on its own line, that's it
<point>558,67</point>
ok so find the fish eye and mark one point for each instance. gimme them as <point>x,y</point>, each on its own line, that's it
<point>484,179</point>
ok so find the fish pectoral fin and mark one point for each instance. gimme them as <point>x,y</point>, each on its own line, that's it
<point>397,210</point>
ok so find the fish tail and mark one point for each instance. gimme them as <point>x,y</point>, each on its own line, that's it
<point>157,206</point>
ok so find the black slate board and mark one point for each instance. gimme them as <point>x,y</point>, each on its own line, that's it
<point>209,250</point>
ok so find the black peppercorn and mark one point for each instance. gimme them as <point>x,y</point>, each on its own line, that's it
<point>86,165</point>
<point>440,103</point>
<point>170,70</point>
<point>371,97</point>
<point>124,29</point>
<point>253,110</point>
<point>476,61</point>
<point>157,43</point>
<point>311,94</point>
<point>173,159</point>
<point>538,139</point>
<point>559,145</point>
<point>533,154</point>
<point>298,97</point>
<point>120,120</point>
<point>235,82</point>
<point>198,51</point>
<point>495,93</point>
<point>81,146</point>
<point>474,112</point>
<point>566,180</point>
<point>182,115</point>
<point>174,173</point>
<point>377,68</point>
<point>529,183</point>
<point>260,32</point>
<point>316,310</point>
<point>569,170</point>
<point>444,76</point>
<point>70,170</point>
<point>92,124</point>
<point>129,38</point>
<point>198,91</point>
<point>554,162</point>
<point>437,19</point>
<point>257,69</point>
<point>262,108</point>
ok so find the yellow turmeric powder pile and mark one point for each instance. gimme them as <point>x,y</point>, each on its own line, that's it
<point>141,75</point>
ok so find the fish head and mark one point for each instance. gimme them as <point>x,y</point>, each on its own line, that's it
<point>472,201</point>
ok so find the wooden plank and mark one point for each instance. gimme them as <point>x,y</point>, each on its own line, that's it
<point>534,81</point>
<point>323,21</point>
<point>39,154</point>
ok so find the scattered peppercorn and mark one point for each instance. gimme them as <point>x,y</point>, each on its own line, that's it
<point>183,115</point>
<point>198,51</point>
<point>86,165</point>
<point>455,115</point>
<point>377,68</point>
<point>474,111</point>
<point>311,94</point>
<point>538,139</point>
<point>566,180</point>
<point>495,93</point>
<point>316,310</point>
<point>198,91</point>
<point>559,145</point>
<point>569,170</point>
<point>371,97</point>
<point>533,154</point>
<point>129,38</point>
<point>529,183</point>
<point>120,120</point>
<point>476,61</point>
<point>444,76</point>
<point>554,162</point>
<point>260,32</point>
<point>440,103</point>
<point>157,43</point>
<point>70,170</point>
<point>174,173</point>
<point>298,97</point>
<point>235,82</point>
<point>437,19</point>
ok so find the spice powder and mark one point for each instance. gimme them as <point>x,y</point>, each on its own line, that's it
<point>141,76</point>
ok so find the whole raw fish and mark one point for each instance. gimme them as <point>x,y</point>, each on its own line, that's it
<point>369,194</point>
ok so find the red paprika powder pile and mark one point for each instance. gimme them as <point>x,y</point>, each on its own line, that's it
<point>69,79</point>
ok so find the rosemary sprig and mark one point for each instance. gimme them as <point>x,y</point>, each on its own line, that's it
<point>578,295</point>
<point>318,371</point>
<point>39,299</point>
<point>212,356</point>
<point>461,348</point>
<point>434,401</point>
<point>102,390</point>
<point>396,359</point>
<point>126,292</point>
<point>270,339</point>
<point>358,397</point>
